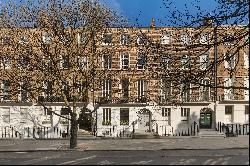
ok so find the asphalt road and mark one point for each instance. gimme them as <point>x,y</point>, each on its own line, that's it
<point>160,157</point>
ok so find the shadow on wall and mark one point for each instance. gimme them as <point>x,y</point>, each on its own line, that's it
<point>188,126</point>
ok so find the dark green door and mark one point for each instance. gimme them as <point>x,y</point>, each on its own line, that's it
<point>205,120</point>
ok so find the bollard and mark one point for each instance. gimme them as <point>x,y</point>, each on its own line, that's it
<point>28,132</point>
<point>243,133</point>
<point>191,130</point>
<point>236,128</point>
<point>239,129</point>
<point>220,126</point>
<point>194,128</point>
<point>33,132</point>
<point>12,130</point>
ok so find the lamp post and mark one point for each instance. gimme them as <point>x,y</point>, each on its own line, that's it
<point>215,66</point>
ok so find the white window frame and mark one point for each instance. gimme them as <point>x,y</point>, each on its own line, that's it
<point>142,37</point>
<point>46,62</point>
<point>81,38</point>
<point>228,93</point>
<point>23,40</point>
<point>109,61</point>
<point>185,38</point>
<point>204,38</point>
<point>20,93</point>
<point>185,114</point>
<point>246,91</point>
<point>204,61</point>
<point>166,112</point>
<point>125,39</point>
<point>141,88</point>
<point>139,57</point>
<point>24,114</point>
<point>121,88</point>
<point>63,61</point>
<point>247,114</point>
<point>166,38</point>
<point>204,89</point>
<point>185,62</point>
<point>231,63</point>
<point>229,117</point>
<point>5,63</point>
<point>124,56</point>
<point>4,90</point>
<point>166,61</point>
<point>83,62</point>
<point>162,93</point>
<point>107,88</point>
<point>185,96</point>
<point>47,38</point>
<point>5,113</point>
<point>107,116</point>
<point>104,43</point>
<point>228,43</point>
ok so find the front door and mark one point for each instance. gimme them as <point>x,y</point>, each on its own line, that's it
<point>143,122</point>
<point>205,120</point>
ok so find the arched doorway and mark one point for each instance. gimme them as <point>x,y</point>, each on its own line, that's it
<point>85,120</point>
<point>206,118</point>
<point>144,120</point>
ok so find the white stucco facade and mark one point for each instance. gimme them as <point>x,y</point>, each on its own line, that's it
<point>173,124</point>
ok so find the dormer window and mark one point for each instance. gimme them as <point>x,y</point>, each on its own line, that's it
<point>107,39</point>
<point>65,39</point>
<point>166,38</point>
<point>142,39</point>
<point>185,38</point>
<point>125,39</point>
<point>229,40</point>
<point>47,38</point>
<point>82,38</point>
<point>23,40</point>
<point>204,38</point>
<point>5,40</point>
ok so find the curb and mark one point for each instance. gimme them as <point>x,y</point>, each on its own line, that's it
<point>46,150</point>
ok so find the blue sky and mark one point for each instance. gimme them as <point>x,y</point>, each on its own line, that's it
<point>144,10</point>
<point>140,12</point>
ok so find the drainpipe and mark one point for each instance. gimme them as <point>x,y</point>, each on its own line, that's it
<point>215,69</point>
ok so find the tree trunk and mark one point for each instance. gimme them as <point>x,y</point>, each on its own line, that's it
<point>73,131</point>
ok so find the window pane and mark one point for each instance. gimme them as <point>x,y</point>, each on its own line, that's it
<point>228,110</point>
<point>124,116</point>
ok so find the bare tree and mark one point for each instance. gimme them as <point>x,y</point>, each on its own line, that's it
<point>52,47</point>
<point>194,36</point>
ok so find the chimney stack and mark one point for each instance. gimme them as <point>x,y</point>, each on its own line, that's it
<point>207,21</point>
<point>152,24</point>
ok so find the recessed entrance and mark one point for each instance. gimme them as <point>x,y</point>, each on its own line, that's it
<point>206,119</point>
<point>144,119</point>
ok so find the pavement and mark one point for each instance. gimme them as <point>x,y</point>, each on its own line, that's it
<point>169,143</point>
